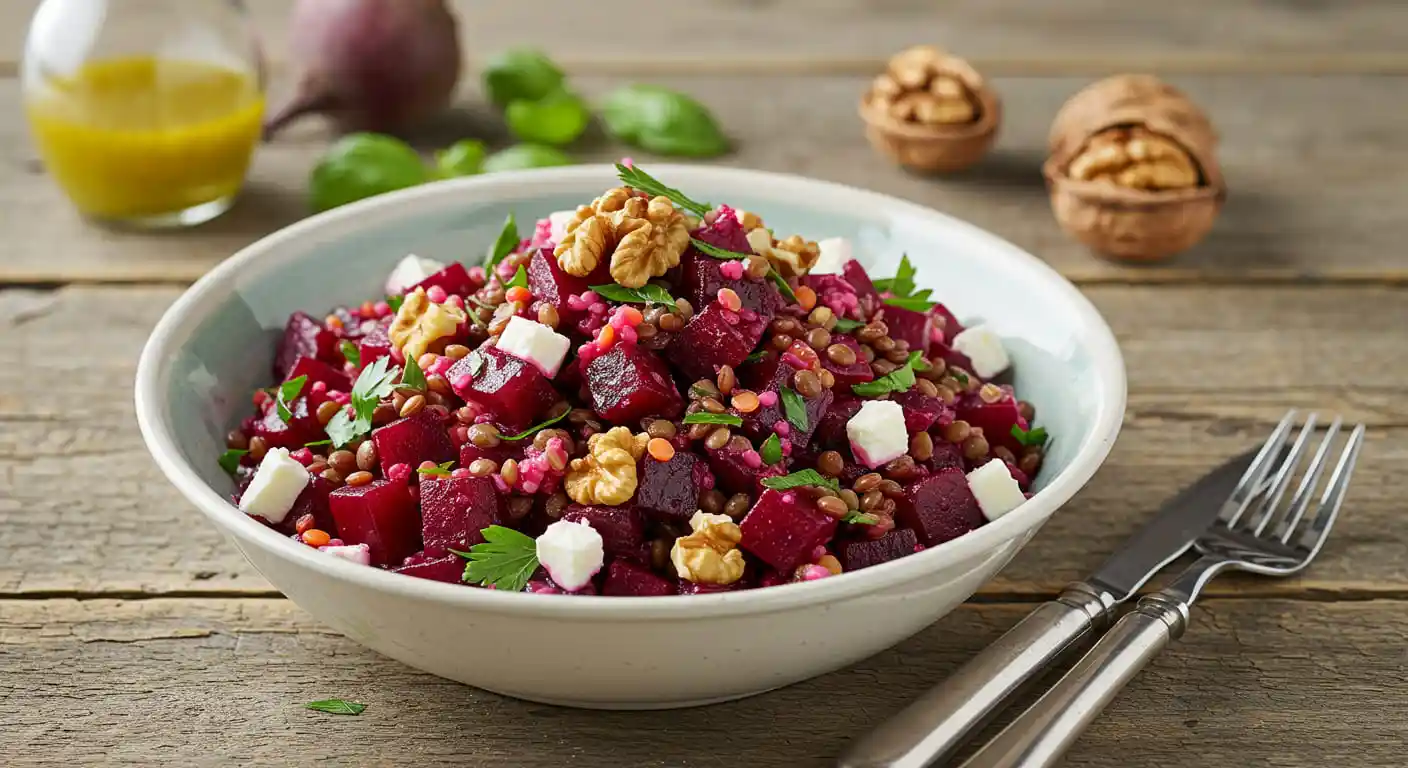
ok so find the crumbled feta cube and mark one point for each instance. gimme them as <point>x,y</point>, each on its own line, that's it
<point>995,489</point>
<point>361,554</point>
<point>835,255</point>
<point>410,271</point>
<point>877,432</point>
<point>275,487</point>
<point>533,342</point>
<point>571,553</point>
<point>557,223</point>
<point>984,348</point>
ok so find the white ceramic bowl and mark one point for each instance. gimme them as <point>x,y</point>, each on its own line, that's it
<point>213,346</point>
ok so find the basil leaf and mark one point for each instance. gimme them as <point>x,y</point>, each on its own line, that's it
<point>463,158</point>
<point>288,391</point>
<point>771,450</point>
<point>520,74</point>
<point>914,303</point>
<point>520,279</point>
<point>1029,438</point>
<point>705,417</point>
<point>635,178</point>
<point>555,119</point>
<point>796,409</point>
<point>799,479</point>
<point>663,121</point>
<point>504,244</point>
<point>522,156</point>
<point>230,459</point>
<point>716,252</point>
<point>336,707</point>
<point>412,377</point>
<point>351,353</point>
<point>395,303</point>
<point>646,294</point>
<point>533,429</point>
<point>363,165</point>
<point>845,324</point>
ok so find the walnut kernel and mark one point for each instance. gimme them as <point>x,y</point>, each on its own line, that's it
<point>420,322</point>
<point>607,474</point>
<point>1134,157</point>
<point>644,237</point>
<point>918,88</point>
<point>791,257</point>
<point>930,111</point>
<point>710,554</point>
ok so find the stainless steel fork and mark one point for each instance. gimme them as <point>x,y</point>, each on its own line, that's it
<point>1262,537</point>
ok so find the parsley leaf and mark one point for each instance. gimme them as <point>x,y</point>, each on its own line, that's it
<point>845,324</point>
<point>520,279</point>
<point>855,517</point>
<point>412,377</point>
<point>914,303</point>
<point>442,470</point>
<point>902,287</point>
<point>351,353</point>
<point>799,479</point>
<point>336,707</point>
<point>375,382</point>
<point>395,303</point>
<point>635,178</point>
<point>771,451</point>
<point>959,376</point>
<point>536,427</point>
<point>646,294</point>
<point>713,251</point>
<point>755,356</point>
<point>288,391</point>
<point>1028,438</point>
<point>705,417</point>
<point>230,459</point>
<point>503,245</point>
<point>505,560</point>
<point>317,444</point>
<point>796,408</point>
<point>899,380</point>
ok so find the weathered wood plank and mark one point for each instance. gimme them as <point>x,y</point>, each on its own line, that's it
<point>164,682</point>
<point>1317,180</point>
<point>1030,34</point>
<point>1210,370</point>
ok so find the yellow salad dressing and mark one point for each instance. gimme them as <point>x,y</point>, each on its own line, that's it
<point>143,137</point>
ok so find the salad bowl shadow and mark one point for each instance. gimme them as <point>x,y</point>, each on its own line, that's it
<point>213,345</point>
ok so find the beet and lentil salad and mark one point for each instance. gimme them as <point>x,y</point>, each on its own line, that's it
<point>648,396</point>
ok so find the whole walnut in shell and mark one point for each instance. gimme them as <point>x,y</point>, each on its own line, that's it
<point>930,111</point>
<point>1132,170</point>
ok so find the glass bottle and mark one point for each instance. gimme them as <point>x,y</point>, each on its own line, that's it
<point>145,112</point>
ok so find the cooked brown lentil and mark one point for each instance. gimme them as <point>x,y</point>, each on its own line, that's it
<point>921,446</point>
<point>413,405</point>
<point>366,456</point>
<point>484,435</point>
<point>739,444</point>
<point>326,410</point>
<point>975,447</point>
<point>237,440</point>
<point>819,338</point>
<point>1002,452</point>
<point>820,315</point>
<point>737,505</point>
<point>830,463</point>
<point>345,462</point>
<point>438,385</point>
<point>662,428</point>
<point>712,406</point>
<point>867,354</point>
<point>990,393</point>
<point>1026,410</point>
<point>509,472</point>
<point>890,488</point>
<point>671,323</point>
<point>483,467</point>
<point>660,553</point>
<point>712,501</point>
<point>871,501</point>
<point>828,379</point>
<point>519,507</point>
<point>867,482</point>
<point>806,383</point>
<point>841,354</point>
<point>332,476</point>
<point>1030,464</point>
<point>556,505</point>
<point>926,387</point>
<point>685,309</point>
<point>883,367</point>
<point>725,380</point>
<point>849,496</point>
<point>258,446</point>
<point>718,438</point>
<point>384,413</point>
<point>832,507</point>
<point>360,478</point>
<point>547,315</point>
<point>956,431</point>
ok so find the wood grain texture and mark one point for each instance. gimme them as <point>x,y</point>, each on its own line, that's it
<point>1210,370</point>
<point>1022,36</point>
<point>180,682</point>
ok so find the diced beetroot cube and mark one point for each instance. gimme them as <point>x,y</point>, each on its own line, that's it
<point>908,326</point>
<point>456,510</point>
<point>952,357</point>
<point>313,501</point>
<point>542,584</point>
<point>858,372</point>
<point>622,529</point>
<point>628,383</point>
<point>945,321</point>
<point>831,432</point>
<point>772,374</point>
<point>690,588</point>
<point>380,514</point>
<point>855,274</point>
<point>515,393</point>
<point>301,429</point>
<point>725,232</point>
<point>717,336</point>
<point>454,278</point>
<point>783,528</point>
<point>939,507</point>
<point>549,283</point>
<point>733,474</point>
<point>500,453</point>
<point>304,337</point>
<point>855,555</point>
<point>670,489</point>
<point>702,278</point>
<point>412,440</point>
<point>317,370</point>
<point>627,579</point>
<point>996,419</point>
<point>374,346</point>
<point>946,455</point>
<point>922,411</point>
<point>446,568</point>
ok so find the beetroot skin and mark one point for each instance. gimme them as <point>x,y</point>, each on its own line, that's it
<point>783,528</point>
<point>855,555</point>
<point>303,337</point>
<point>381,515</point>
<point>515,393</point>
<point>622,529</point>
<point>670,489</point>
<point>715,337</point>
<point>628,383</point>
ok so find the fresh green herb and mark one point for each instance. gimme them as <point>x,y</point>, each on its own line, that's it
<point>799,479</point>
<point>230,459</point>
<point>898,380</point>
<point>375,382</point>
<point>904,293</point>
<point>845,324</point>
<point>519,280</point>
<point>336,707</point>
<point>533,429</point>
<point>782,286</point>
<point>855,517</point>
<point>477,364</point>
<point>463,158</point>
<point>705,417</point>
<point>646,294</point>
<point>395,303</point>
<point>362,165</point>
<point>505,561</point>
<point>635,178</point>
<point>663,121</point>
<point>556,118</point>
<point>317,444</point>
<point>412,377</point>
<point>1028,438</point>
<point>351,353</point>
<point>521,156</point>
<point>771,450</point>
<point>716,252</point>
<point>795,408</point>
<point>441,470</point>
<point>504,244</point>
<point>288,391</point>
<point>959,376</point>
<point>520,74</point>
<point>914,303</point>
<point>755,356</point>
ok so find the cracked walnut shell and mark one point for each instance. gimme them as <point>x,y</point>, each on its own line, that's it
<point>420,322</point>
<point>710,554</point>
<point>607,474</point>
<point>1132,170</point>
<point>930,111</point>
<point>644,237</point>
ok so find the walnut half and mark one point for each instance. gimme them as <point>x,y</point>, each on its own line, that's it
<point>1134,157</point>
<point>607,474</point>
<point>917,87</point>
<point>421,322</point>
<point>644,237</point>
<point>710,554</point>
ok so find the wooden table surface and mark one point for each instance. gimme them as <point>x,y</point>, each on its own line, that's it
<point>131,633</point>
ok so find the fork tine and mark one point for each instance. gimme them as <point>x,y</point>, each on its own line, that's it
<point>1314,536</point>
<point>1300,501</point>
<point>1265,511</point>
<point>1251,481</point>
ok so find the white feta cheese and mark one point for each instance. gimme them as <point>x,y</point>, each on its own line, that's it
<point>984,348</point>
<point>361,554</point>
<point>836,253</point>
<point>533,342</point>
<point>995,489</point>
<point>571,553</point>
<point>557,223</point>
<point>877,432</point>
<point>275,487</point>
<point>410,271</point>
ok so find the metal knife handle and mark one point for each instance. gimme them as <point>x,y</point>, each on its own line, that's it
<point>1041,735</point>
<point>939,721</point>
